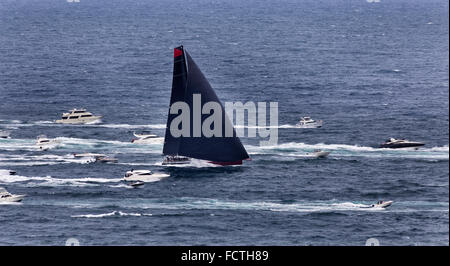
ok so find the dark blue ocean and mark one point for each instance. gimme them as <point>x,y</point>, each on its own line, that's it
<point>370,70</point>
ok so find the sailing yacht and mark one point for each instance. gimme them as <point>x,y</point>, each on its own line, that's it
<point>188,80</point>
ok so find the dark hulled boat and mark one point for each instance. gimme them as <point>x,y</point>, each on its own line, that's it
<point>187,81</point>
<point>400,143</point>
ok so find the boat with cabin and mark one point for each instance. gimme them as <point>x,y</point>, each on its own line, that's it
<point>308,122</point>
<point>400,143</point>
<point>5,196</point>
<point>43,143</point>
<point>78,116</point>
<point>143,176</point>
<point>146,137</point>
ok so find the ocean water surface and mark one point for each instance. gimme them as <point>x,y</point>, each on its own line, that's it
<point>370,71</point>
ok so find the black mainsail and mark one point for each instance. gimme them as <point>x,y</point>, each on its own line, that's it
<point>187,81</point>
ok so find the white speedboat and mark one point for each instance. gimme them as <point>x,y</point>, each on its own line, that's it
<point>5,196</point>
<point>105,159</point>
<point>43,143</point>
<point>307,122</point>
<point>4,134</point>
<point>78,116</point>
<point>382,204</point>
<point>144,176</point>
<point>401,143</point>
<point>83,155</point>
<point>146,137</point>
<point>176,160</point>
<point>320,153</point>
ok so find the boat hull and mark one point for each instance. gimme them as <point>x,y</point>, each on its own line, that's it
<point>145,178</point>
<point>177,161</point>
<point>321,154</point>
<point>401,145</point>
<point>13,198</point>
<point>383,205</point>
<point>227,163</point>
<point>148,141</point>
<point>316,124</point>
<point>79,120</point>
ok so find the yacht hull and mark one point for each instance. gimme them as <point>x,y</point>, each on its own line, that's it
<point>402,145</point>
<point>321,154</point>
<point>316,124</point>
<point>79,120</point>
<point>145,178</point>
<point>13,198</point>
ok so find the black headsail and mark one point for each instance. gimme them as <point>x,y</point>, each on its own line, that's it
<point>187,81</point>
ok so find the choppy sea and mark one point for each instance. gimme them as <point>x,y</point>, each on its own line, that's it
<point>370,70</point>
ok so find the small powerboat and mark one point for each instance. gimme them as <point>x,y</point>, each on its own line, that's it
<point>5,196</point>
<point>143,176</point>
<point>320,153</point>
<point>145,137</point>
<point>4,134</point>
<point>400,143</point>
<point>12,172</point>
<point>307,122</point>
<point>382,204</point>
<point>83,155</point>
<point>78,116</point>
<point>176,160</point>
<point>105,159</point>
<point>44,143</point>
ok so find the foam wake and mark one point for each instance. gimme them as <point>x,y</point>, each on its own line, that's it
<point>110,214</point>
<point>6,178</point>
<point>298,149</point>
<point>88,145</point>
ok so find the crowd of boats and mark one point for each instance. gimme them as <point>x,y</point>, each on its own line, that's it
<point>178,151</point>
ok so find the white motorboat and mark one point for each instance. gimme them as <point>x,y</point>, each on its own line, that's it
<point>307,122</point>
<point>382,204</point>
<point>144,176</point>
<point>78,116</point>
<point>83,155</point>
<point>146,137</point>
<point>320,153</point>
<point>176,160</point>
<point>4,134</point>
<point>105,159</point>
<point>43,143</point>
<point>5,196</point>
